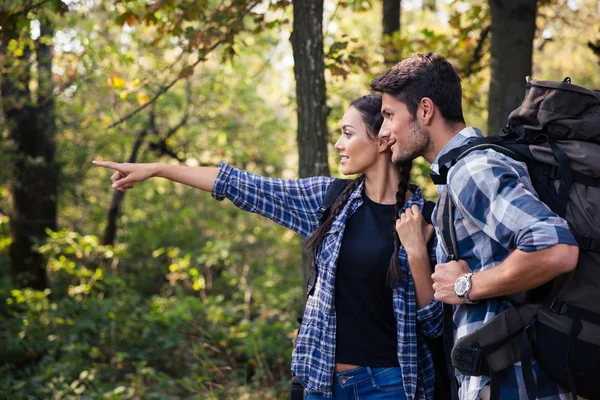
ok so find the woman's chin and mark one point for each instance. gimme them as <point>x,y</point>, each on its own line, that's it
<point>347,171</point>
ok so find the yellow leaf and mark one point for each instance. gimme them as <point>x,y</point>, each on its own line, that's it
<point>143,98</point>
<point>123,95</point>
<point>117,82</point>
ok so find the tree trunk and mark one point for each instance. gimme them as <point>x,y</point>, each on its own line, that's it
<point>33,183</point>
<point>513,28</point>
<point>391,24</point>
<point>309,71</point>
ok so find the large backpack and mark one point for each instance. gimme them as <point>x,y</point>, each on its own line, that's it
<point>556,132</point>
<point>442,387</point>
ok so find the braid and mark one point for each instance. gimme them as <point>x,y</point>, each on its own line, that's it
<point>394,274</point>
<point>315,238</point>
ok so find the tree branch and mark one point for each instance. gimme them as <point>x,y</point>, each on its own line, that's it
<point>477,54</point>
<point>165,88</point>
<point>27,9</point>
<point>161,148</point>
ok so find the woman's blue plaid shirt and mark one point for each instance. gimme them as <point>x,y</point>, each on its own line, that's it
<point>294,204</point>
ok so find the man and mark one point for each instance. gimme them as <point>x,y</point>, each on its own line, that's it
<point>507,238</point>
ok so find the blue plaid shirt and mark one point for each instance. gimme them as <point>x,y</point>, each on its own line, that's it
<point>497,210</point>
<point>293,204</point>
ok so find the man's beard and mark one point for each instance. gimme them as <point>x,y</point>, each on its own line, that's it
<point>419,144</point>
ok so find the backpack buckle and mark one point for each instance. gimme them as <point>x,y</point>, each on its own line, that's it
<point>585,242</point>
<point>554,172</point>
<point>320,213</point>
<point>558,307</point>
<point>549,171</point>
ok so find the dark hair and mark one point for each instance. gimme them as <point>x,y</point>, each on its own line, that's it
<point>424,75</point>
<point>370,109</point>
<point>394,274</point>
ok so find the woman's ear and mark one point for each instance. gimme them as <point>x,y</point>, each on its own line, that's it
<point>382,145</point>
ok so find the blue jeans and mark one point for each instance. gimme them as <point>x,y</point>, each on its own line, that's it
<point>366,383</point>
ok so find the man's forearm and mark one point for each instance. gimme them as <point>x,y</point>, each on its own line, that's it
<point>523,271</point>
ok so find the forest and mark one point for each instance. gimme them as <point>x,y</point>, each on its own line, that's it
<point>161,292</point>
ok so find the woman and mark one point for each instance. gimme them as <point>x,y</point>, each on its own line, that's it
<point>363,326</point>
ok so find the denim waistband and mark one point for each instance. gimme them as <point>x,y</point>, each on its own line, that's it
<point>360,374</point>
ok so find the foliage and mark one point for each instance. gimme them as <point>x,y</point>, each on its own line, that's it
<point>197,299</point>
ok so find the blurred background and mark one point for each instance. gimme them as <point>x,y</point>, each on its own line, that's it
<point>164,293</point>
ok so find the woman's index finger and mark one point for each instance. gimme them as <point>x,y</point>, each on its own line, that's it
<point>106,164</point>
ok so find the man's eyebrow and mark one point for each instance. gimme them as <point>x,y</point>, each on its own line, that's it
<point>385,110</point>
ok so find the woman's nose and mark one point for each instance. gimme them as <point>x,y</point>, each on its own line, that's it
<point>338,144</point>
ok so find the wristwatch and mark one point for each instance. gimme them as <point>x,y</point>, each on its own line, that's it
<point>462,288</point>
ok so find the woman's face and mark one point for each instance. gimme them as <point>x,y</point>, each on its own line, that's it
<point>358,151</point>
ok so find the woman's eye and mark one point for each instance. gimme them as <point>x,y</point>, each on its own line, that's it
<point>347,134</point>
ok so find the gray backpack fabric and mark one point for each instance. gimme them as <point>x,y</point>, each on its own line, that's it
<point>556,132</point>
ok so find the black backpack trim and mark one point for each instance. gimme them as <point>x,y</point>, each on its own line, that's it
<point>333,191</point>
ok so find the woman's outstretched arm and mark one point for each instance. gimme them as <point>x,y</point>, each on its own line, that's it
<point>292,204</point>
<point>126,174</point>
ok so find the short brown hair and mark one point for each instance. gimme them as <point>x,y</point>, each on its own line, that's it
<point>424,75</point>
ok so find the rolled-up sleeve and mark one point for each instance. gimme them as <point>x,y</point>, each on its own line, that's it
<point>290,203</point>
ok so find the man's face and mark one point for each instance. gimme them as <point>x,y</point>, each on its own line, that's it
<point>407,138</point>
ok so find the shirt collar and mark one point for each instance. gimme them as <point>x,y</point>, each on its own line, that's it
<point>458,140</point>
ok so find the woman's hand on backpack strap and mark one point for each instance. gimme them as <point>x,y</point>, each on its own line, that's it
<point>413,231</point>
<point>126,174</point>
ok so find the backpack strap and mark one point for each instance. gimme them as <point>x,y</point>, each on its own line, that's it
<point>333,191</point>
<point>448,160</point>
<point>445,222</point>
<point>297,392</point>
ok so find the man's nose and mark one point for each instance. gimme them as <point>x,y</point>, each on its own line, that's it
<point>384,132</point>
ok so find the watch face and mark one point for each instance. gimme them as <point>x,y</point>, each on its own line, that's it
<point>461,286</point>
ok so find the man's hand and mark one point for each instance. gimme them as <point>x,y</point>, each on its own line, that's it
<point>444,277</point>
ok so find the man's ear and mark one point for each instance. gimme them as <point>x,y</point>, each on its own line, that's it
<point>426,111</point>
